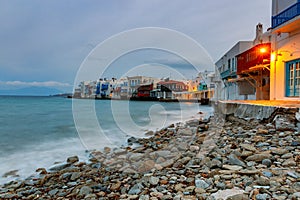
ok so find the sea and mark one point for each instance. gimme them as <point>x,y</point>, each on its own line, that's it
<point>38,132</point>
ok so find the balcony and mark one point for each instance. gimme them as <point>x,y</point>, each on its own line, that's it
<point>286,15</point>
<point>227,73</point>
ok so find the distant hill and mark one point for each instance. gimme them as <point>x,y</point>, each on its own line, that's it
<point>32,91</point>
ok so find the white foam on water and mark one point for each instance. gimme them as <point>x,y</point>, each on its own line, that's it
<point>41,155</point>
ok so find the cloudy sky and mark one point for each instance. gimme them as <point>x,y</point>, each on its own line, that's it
<point>46,41</point>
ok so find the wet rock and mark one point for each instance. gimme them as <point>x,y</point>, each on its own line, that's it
<point>221,185</point>
<point>72,159</point>
<point>267,162</point>
<point>153,180</point>
<point>232,167</point>
<point>41,170</point>
<point>119,152</point>
<point>248,147</point>
<point>136,189</point>
<point>262,196</point>
<point>248,172</point>
<point>228,193</point>
<point>75,176</point>
<point>146,165</point>
<point>238,197</point>
<point>287,155</point>
<point>289,163</point>
<point>189,189</point>
<point>295,143</point>
<point>214,163</point>
<point>194,148</point>
<point>279,151</point>
<point>8,196</point>
<point>136,157</point>
<point>262,131</point>
<point>12,173</point>
<point>199,183</point>
<point>107,150</point>
<point>234,160</point>
<point>53,192</point>
<point>59,167</point>
<point>293,174</point>
<point>263,181</point>
<point>283,123</point>
<point>162,153</point>
<point>115,186</point>
<point>132,140</point>
<point>85,190</point>
<point>258,157</point>
<point>296,195</point>
<point>267,174</point>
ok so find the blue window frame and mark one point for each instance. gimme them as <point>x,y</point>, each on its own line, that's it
<point>293,78</point>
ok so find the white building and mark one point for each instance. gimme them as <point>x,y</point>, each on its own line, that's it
<point>121,89</point>
<point>285,57</point>
<point>87,89</point>
<point>227,67</point>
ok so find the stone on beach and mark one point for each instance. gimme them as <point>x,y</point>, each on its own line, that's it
<point>229,160</point>
<point>73,159</point>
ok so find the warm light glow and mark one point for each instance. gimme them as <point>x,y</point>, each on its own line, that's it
<point>273,57</point>
<point>263,50</point>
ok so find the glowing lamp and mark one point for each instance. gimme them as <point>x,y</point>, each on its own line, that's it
<point>263,50</point>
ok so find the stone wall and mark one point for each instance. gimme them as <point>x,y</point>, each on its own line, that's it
<point>284,118</point>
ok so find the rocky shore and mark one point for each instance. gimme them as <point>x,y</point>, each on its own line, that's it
<point>213,158</point>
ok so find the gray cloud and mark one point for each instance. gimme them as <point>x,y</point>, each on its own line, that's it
<point>48,40</point>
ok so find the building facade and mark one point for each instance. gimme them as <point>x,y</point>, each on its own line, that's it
<point>227,68</point>
<point>135,81</point>
<point>285,57</point>
<point>171,89</point>
<point>253,70</point>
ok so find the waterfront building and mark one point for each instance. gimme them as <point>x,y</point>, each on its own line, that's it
<point>285,57</point>
<point>203,86</point>
<point>253,67</point>
<point>144,91</point>
<point>206,85</point>
<point>87,89</point>
<point>121,89</point>
<point>135,81</point>
<point>227,68</point>
<point>245,69</point>
<point>171,89</point>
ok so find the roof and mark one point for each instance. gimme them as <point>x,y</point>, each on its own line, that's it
<point>170,82</point>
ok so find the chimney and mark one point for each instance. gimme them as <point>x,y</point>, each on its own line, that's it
<point>259,33</point>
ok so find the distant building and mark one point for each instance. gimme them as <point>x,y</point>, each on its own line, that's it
<point>171,89</point>
<point>285,57</point>
<point>202,86</point>
<point>135,81</point>
<point>87,89</point>
<point>121,89</point>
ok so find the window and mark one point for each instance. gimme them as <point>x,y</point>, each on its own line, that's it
<point>229,61</point>
<point>293,78</point>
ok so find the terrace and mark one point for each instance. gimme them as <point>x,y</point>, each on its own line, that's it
<point>291,14</point>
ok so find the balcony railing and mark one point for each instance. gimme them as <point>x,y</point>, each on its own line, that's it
<point>286,15</point>
<point>228,73</point>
